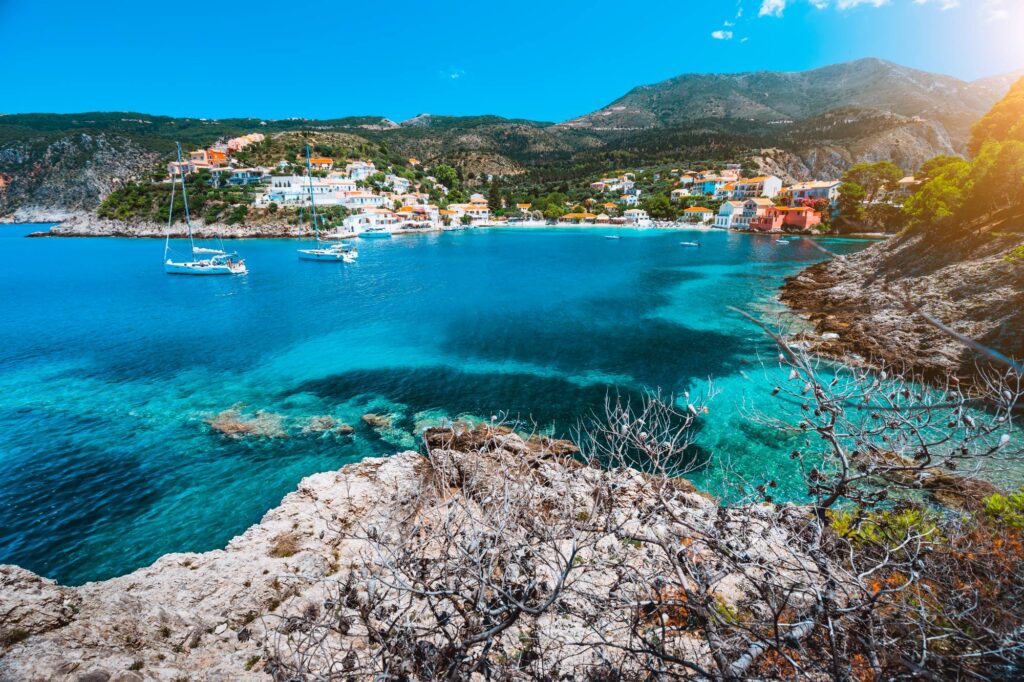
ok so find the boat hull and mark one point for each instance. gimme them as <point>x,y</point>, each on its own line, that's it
<point>325,255</point>
<point>201,268</point>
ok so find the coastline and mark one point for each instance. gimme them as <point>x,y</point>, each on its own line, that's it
<point>215,613</point>
<point>857,305</point>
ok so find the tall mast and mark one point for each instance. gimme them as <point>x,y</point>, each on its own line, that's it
<point>312,202</point>
<point>170,215</point>
<point>184,197</point>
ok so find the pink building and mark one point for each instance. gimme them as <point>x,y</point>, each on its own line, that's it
<point>802,217</point>
<point>776,217</point>
<point>769,221</point>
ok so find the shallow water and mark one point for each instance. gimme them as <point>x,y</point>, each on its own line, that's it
<point>109,368</point>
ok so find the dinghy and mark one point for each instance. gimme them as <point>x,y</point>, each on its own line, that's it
<point>220,261</point>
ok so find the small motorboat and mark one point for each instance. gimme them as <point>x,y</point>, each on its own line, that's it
<point>612,236</point>
<point>689,243</point>
<point>377,232</point>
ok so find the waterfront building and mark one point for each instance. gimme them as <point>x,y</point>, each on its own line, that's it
<point>362,221</point>
<point>727,212</point>
<point>636,217</point>
<point>698,214</point>
<point>577,218</point>
<point>752,209</point>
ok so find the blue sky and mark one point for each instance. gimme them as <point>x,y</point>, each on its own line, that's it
<point>543,60</point>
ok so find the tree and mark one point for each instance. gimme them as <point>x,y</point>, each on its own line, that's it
<point>1005,121</point>
<point>554,211</point>
<point>659,206</point>
<point>942,195</point>
<point>997,176</point>
<point>851,202</point>
<point>495,201</point>
<point>446,175</point>
<point>875,178</point>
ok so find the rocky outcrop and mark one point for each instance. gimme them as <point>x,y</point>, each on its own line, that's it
<point>217,615</point>
<point>82,224</point>
<point>50,177</point>
<point>965,278</point>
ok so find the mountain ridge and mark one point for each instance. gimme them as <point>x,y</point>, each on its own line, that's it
<point>821,121</point>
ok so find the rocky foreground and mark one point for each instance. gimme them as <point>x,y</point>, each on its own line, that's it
<point>862,304</point>
<point>332,552</point>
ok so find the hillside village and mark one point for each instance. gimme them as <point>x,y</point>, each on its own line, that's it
<point>355,192</point>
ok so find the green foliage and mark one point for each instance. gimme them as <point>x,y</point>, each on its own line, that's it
<point>851,201</point>
<point>1005,121</point>
<point>874,178</point>
<point>660,206</point>
<point>997,176</point>
<point>495,201</point>
<point>446,175</point>
<point>1015,255</point>
<point>943,193</point>
<point>1006,510</point>
<point>889,528</point>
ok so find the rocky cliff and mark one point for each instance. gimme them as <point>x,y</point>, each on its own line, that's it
<point>51,177</point>
<point>968,278</point>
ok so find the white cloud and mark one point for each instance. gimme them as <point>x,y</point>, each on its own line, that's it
<point>995,10</point>
<point>772,8</point>
<point>721,35</point>
<point>943,4</point>
<point>847,4</point>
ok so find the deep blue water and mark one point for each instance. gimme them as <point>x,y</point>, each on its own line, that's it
<point>109,368</point>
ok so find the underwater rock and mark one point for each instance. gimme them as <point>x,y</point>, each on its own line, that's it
<point>320,424</point>
<point>234,424</point>
<point>377,421</point>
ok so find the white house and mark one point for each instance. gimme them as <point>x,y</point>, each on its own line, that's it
<point>727,212</point>
<point>360,222</point>
<point>761,186</point>
<point>360,170</point>
<point>287,190</point>
<point>815,190</point>
<point>637,217</point>
<point>752,208</point>
<point>399,185</point>
<point>698,214</point>
<point>678,194</point>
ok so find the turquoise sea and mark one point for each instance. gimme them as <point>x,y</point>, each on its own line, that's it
<point>109,368</point>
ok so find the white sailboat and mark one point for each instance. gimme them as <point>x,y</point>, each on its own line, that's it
<point>343,253</point>
<point>220,262</point>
